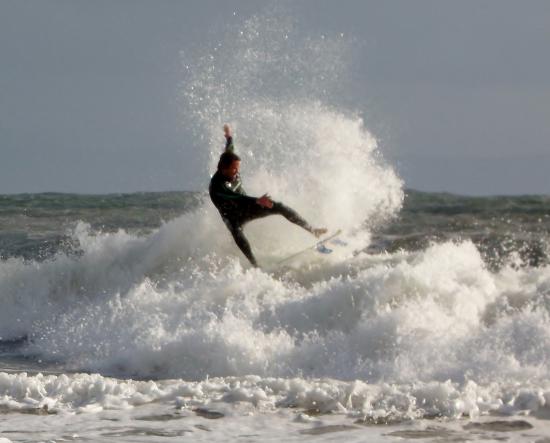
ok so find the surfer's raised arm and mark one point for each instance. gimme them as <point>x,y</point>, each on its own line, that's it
<point>228,138</point>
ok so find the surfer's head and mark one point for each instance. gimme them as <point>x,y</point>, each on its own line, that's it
<point>229,164</point>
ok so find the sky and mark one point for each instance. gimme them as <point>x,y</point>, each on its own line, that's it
<point>456,92</point>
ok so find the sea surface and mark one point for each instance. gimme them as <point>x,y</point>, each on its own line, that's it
<point>116,326</point>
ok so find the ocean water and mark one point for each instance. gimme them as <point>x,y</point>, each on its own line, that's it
<point>135,317</point>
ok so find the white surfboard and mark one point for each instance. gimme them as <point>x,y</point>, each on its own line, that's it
<point>320,246</point>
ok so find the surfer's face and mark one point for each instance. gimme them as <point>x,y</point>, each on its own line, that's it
<point>232,170</point>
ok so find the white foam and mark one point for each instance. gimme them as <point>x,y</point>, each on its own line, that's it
<point>428,316</point>
<point>94,393</point>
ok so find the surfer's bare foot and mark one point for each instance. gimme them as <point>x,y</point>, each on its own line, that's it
<point>317,232</point>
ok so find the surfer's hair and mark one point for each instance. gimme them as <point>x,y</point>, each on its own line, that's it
<point>226,159</point>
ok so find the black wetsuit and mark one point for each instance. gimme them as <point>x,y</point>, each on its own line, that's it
<point>237,208</point>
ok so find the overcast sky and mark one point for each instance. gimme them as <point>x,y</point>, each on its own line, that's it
<point>457,92</point>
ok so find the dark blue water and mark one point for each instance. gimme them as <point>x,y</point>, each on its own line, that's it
<point>36,226</point>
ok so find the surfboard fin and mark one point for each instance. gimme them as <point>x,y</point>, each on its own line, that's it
<point>320,246</point>
<point>323,249</point>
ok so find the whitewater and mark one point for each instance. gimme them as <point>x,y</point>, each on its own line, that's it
<point>118,325</point>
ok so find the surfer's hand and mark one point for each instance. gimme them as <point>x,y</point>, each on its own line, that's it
<point>265,201</point>
<point>227,130</point>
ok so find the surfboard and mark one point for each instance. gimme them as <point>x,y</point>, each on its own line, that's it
<point>320,246</point>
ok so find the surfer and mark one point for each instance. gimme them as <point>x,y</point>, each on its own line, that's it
<point>237,208</point>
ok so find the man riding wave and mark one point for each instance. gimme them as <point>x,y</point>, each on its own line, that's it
<point>237,208</point>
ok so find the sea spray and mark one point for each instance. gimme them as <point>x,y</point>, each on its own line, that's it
<point>295,144</point>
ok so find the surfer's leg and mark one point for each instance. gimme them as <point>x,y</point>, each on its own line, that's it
<point>255,211</point>
<point>236,230</point>
<point>291,215</point>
